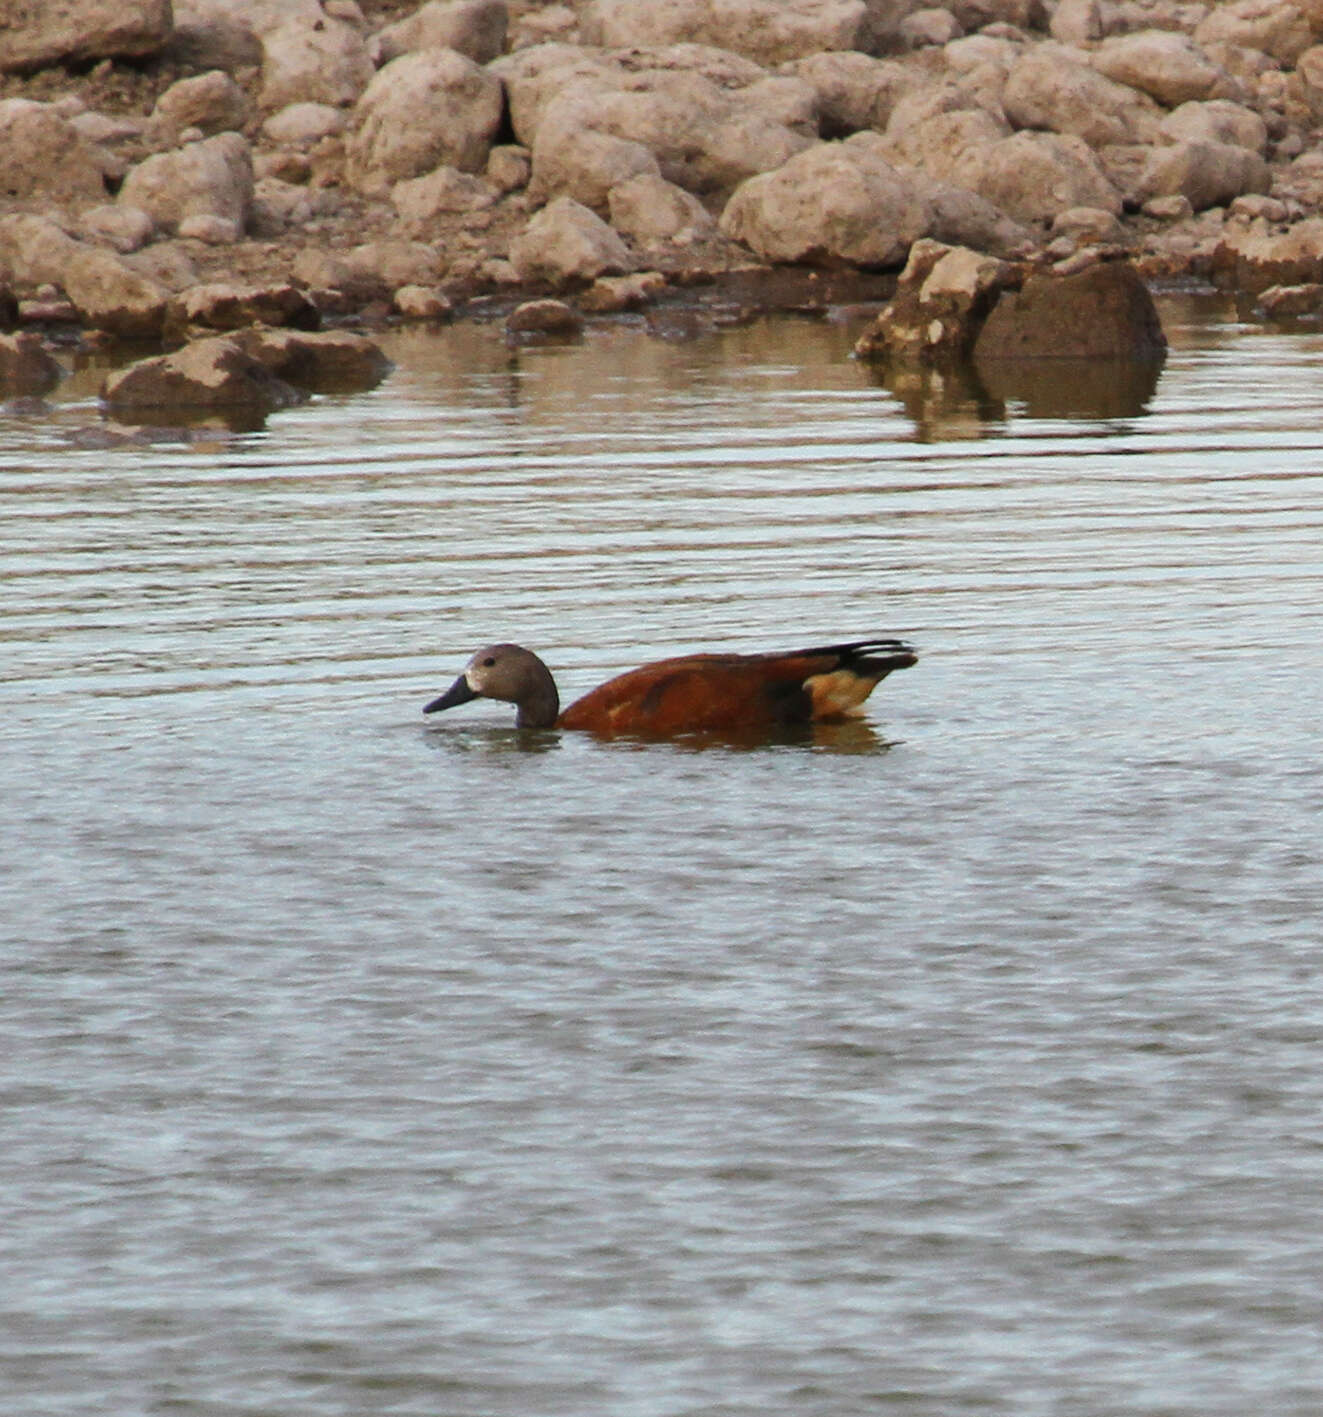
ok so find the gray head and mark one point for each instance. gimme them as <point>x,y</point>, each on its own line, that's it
<point>511,673</point>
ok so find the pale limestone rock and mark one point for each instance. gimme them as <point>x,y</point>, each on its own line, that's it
<point>300,125</point>
<point>1053,87</point>
<point>318,361</point>
<point>1088,224</point>
<point>420,111</point>
<point>43,157</point>
<point>566,242</point>
<point>422,302</point>
<point>509,167</point>
<point>212,102</point>
<point>1033,176</point>
<point>767,31</point>
<point>1173,208</point>
<point>552,318</point>
<point>123,227</point>
<point>1255,256</point>
<point>1169,67</point>
<point>1077,21</point>
<point>210,179</point>
<point>612,294</point>
<point>836,202</point>
<point>37,35</point>
<point>1208,174</point>
<point>110,295</point>
<point>649,210</point>
<point>476,28</point>
<point>325,62</point>
<point>572,160</point>
<point>1217,121</point>
<point>929,28</point>
<point>229,305</point>
<point>421,201</point>
<point>852,91</point>
<point>1277,27</point>
<point>1281,302</point>
<point>395,263</point>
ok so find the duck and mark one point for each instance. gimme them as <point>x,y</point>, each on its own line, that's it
<point>694,693</point>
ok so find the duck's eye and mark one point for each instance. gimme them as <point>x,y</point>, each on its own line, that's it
<point>488,662</point>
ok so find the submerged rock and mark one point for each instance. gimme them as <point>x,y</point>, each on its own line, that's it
<point>26,366</point>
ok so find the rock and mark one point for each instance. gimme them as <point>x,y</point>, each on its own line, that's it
<point>328,361</point>
<point>649,210</point>
<point>125,228</point>
<point>1217,121</point>
<point>26,367</point>
<point>853,91</point>
<point>226,306</point>
<point>43,156</point>
<point>929,28</point>
<point>212,102</point>
<point>476,28</point>
<point>1048,87</point>
<point>37,35</point>
<point>1033,176</point>
<point>208,374</point>
<point>943,142</point>
<point>1169,67</point>
<point>612,294</point>
<point>1253,257</point>
<point>301,125</point>
<point>325,61</point>
<point>420,111</point>
<point>767,31</point>
<point>837,203</point>
<point>1077,21</point>
<point>213,178</point>
<point>1104,312</point>
<point>509,167</point>
<point>1207,174</point>
<point>942,298</point>
<point>422,201</point>
<point>701,136</point>
<point>1175,208</point>
<point>566,242</point>
<point>544,317</point>
<point>110,295</point>
<point>33,249</point>
<point>423,302</point>
<point>1088,224</point>
<point>978,14</point>
<point>572,160</point>
<point>1276,27</point>
<point>1281,302</point>
<point>395,263</point>
<point>210,229</point>
<point>963,218</point>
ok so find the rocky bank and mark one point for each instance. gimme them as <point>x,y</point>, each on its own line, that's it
<point>168,170</point>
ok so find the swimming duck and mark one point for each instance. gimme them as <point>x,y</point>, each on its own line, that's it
<point>696,693</point>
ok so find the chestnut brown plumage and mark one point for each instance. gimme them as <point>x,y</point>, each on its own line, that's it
<point>696,693</point>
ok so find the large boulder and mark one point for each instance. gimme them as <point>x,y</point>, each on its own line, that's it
<point>650,210</point>
<point>208,375</point>
<point>1218,120</point>
<point>322,62</point>
<point>768,31</point>
<point>43,156</point>
<point>211,179</point>
<point>211,102</point>
<point>1253,256</point>
<point>26,366</point>
<point>1279,28</point>
<point>565,243</point>
<point>1052,87</point>
<point>942,298</point>
<point>1103,312</point>
<point>853,91</point>
<point>705,135</point>
<point>37,35</point>
<point>1033,176</point>
<point>476,28</point>
<point>1206,174</point>
<point>1169,67</point>
<point>420,111</point>
<point>837,203</point>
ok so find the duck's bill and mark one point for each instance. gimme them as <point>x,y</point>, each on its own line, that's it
<point>458,693</point>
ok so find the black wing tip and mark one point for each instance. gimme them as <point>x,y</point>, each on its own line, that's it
<point>853,650</point>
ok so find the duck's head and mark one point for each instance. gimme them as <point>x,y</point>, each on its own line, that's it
<point>510,673</point>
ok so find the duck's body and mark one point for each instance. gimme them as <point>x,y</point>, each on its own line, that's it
<point>698,693</point>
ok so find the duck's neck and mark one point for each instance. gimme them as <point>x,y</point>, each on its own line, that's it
<point>539,707</point>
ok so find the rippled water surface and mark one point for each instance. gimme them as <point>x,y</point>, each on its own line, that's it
<point>964,1062</point>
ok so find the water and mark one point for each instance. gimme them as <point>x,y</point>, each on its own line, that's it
<point>963,1062</point>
